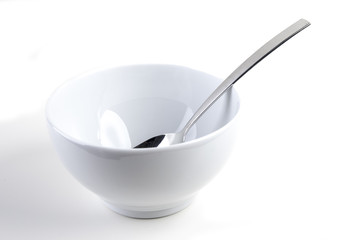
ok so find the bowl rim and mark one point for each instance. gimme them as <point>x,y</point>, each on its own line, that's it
<point>192,143</point>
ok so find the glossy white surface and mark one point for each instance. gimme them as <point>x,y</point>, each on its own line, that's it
<point>294,173</point>
<point>146,100</point>
<point>122,106</point>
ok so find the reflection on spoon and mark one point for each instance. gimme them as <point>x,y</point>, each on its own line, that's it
<point>127,122</point>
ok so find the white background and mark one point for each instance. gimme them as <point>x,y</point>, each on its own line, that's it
<point>295,171</point>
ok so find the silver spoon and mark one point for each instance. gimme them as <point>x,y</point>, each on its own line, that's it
<point>179,137</point>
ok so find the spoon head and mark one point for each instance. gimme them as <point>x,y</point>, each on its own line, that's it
<point>161,141</point>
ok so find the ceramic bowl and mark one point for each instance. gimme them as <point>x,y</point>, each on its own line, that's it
<point>95,118</point>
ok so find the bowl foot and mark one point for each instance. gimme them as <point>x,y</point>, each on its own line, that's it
<point>134,212</point>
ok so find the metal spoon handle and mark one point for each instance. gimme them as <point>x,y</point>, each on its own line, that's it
<point>256,57</point>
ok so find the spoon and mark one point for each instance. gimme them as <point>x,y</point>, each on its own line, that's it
<point>179,137</point>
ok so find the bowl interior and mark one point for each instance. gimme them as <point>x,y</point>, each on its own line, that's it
<point>123,106</point>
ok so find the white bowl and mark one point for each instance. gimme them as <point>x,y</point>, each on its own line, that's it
<point>94,120</point>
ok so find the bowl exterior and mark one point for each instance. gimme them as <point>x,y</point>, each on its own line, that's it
<point>149,183</point>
